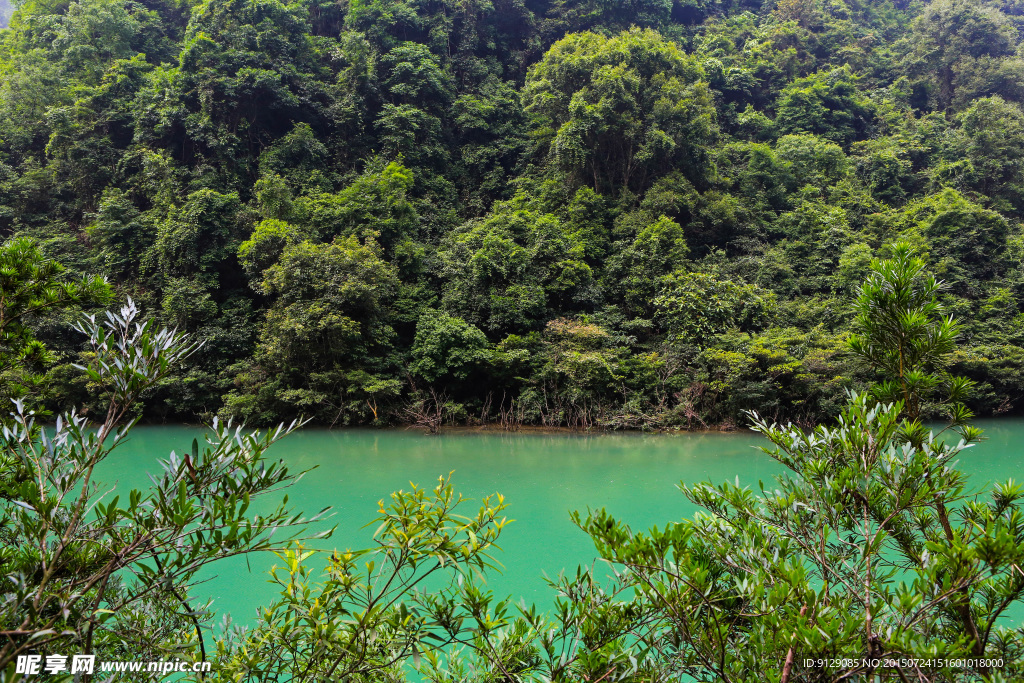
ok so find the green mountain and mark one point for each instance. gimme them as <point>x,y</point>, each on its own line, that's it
<point>650,213</point>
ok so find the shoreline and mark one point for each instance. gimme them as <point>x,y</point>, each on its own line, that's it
<point>490,428</point>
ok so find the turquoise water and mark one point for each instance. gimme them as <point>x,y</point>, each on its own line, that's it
<point>542,476</point>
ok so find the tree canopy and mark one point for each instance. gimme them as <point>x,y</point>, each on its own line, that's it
<point>357,207</point>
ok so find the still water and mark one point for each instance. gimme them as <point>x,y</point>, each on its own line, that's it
<point>542,476</point>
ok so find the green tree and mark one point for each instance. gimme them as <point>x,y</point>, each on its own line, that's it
<point>122,235</point>
<point>694,307</point>
<point>490,125</point>
<point>900,330</point>
<point>506,271</point>
<point>30,286</point>
<point>447,348</point>
<point>326,335</point>
<point>374,608</point>
<point>635,269</point>
<point>102,572</point>
<point>843,559</point>
<point>956,46</point>
<point>615,113</point>
<point>811,160</point>
<point>578,370</point>
<point>198,239</point>
<point>813,236</point>
<point>828,104</point>
<point>265,246</point>
<point>299,156</point>
<point>244,74</point>
<point>967,242</point>
<point>376,205</point>
<point>993,132</point>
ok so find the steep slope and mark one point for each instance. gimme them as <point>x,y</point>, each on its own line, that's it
<point>642,214</point>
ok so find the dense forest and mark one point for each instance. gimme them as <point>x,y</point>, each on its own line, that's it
<point>628,214</point>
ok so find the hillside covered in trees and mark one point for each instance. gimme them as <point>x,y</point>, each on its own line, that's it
<point>630,214</point>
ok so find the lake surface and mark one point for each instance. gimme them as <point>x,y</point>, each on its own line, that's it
<point>542,476</point>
